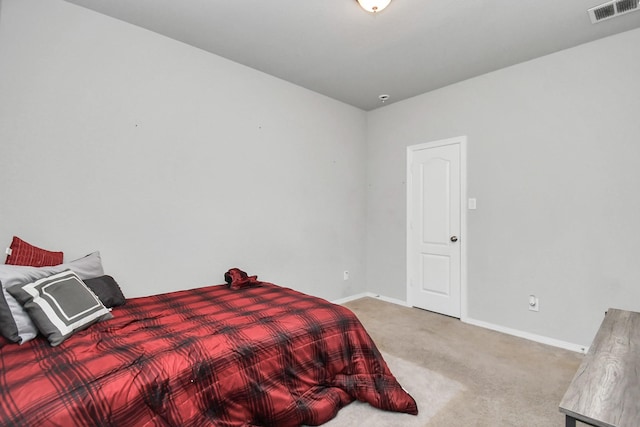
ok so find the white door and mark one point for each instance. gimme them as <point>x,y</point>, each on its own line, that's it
<point>434,226</point>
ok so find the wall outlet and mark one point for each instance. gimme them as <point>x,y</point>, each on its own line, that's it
<point>345,275</point>
<point>534,304</point>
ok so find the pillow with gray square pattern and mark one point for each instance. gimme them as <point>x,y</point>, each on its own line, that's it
<point>60,305</point>
<point>15,323</point>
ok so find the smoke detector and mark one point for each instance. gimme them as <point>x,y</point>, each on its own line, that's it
<point>612,9</point>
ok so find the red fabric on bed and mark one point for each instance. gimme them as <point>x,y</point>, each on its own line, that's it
<point>261,356</point>
<point>238,279</point>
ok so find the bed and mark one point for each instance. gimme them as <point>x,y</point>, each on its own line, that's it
<point>256,355</point>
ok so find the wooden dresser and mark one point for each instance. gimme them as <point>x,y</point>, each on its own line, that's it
<point>605,390</point>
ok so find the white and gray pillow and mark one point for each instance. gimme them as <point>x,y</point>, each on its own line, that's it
<point>60,305</point>
<point>15,323</point>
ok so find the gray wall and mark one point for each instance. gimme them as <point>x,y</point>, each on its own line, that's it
<point>176,164</point>
<point>553,160</point>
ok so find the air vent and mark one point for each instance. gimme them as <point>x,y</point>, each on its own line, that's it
<point>626,6</point>
<point>612,9</point>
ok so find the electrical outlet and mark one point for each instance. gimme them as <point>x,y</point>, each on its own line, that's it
<point>345,275</point>
<point>534,304</point>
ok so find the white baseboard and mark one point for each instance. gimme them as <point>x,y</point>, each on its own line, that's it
<point>509,331</point>
<point>371,295</point>
<point>351,298</point>
<point>527,335</point>
<point>387,299</point>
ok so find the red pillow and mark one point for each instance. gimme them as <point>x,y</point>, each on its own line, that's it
<point>22,253</point>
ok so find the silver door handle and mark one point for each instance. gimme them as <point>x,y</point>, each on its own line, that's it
<point>454,238</point>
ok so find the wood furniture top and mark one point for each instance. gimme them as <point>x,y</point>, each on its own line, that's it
<point>605,390</point>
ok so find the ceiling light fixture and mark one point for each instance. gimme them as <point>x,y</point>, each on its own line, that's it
<point>373,6</point>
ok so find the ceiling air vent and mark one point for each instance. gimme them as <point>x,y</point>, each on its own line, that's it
<point>612,9</point>
<point>623,6</point>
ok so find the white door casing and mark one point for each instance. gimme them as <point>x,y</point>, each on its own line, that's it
<point>435,226</point>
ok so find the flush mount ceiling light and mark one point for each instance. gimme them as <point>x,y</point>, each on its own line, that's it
<point>373,6</point>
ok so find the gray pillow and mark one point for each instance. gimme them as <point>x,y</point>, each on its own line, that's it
<point>15,323</point>
<point>107,289</point>
<point>60,305</point>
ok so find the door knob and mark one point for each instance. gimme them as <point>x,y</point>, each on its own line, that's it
<point>454,238</point>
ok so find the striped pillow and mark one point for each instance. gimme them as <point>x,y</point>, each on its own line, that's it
<point>23,253</point>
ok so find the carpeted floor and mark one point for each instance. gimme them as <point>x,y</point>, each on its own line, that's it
<point>431,391</point>
<point>462,375</point>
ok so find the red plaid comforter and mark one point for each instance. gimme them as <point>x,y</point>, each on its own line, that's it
<point>261,356</point>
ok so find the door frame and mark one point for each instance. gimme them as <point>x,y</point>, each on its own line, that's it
<point>464,237</point>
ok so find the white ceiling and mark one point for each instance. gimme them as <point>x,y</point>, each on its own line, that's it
<point>335,48</point>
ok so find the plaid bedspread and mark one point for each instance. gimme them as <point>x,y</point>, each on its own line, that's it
<point>213,356</point>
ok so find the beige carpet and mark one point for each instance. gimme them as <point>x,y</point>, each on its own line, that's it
<point>430,390</point>
<point>461,375</point>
